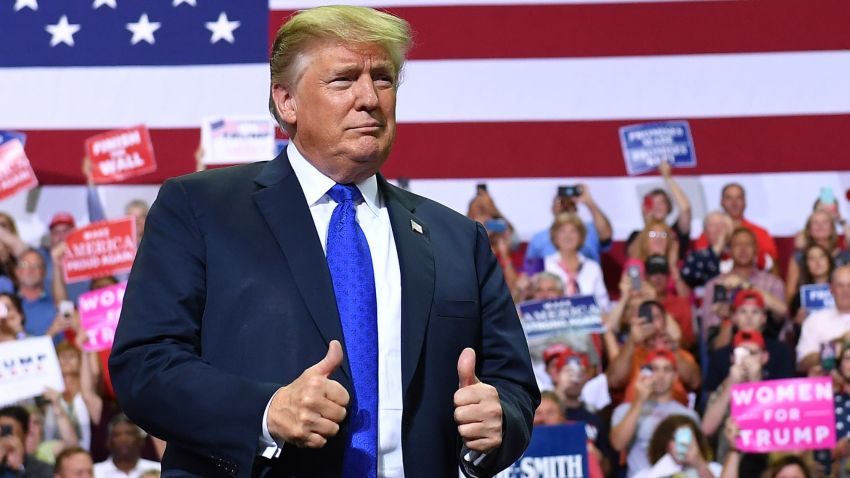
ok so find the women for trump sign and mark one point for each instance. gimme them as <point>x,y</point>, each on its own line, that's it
<point>779,415</point>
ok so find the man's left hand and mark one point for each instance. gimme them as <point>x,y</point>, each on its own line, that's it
<point>478,411</point>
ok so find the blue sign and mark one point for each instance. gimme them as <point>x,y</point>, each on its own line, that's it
<point>579,313</point>
<point>556,451</point>
<point>816,297</point>
<point>10,135</point>
<point>646,145</point>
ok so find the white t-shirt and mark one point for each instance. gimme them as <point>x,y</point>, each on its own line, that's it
<point>819,328</point>
<point>107,469</point>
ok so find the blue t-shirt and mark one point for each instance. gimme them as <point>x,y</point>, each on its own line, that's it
<point>39,314</point>
<point>541,245</point>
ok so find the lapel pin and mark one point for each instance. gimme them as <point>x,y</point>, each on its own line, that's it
<point>416,226</point>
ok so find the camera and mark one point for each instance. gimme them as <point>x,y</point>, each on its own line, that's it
<point>569,191</point>
<point>5,430</point>
<point>496,226</point>
<point>720,293</point>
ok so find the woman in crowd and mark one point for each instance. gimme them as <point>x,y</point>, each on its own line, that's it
<point>658,239</point>
<point>820,230</point>
<point>816,268</point>
<point>581,276</point>
<point>11,246</point>
<point>11,318</point>
<point>679,448</point>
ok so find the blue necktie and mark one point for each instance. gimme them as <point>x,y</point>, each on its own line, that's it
<point>353,277</point>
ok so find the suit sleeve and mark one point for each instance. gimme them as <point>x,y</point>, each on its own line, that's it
<point>505,362</point>
<point>157,369</point>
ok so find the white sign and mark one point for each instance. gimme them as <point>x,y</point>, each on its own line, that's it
<point>235,140</point>
<point>27,367</point>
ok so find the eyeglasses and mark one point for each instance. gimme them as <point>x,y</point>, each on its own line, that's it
<point>657,235</point>
<point>24,265</point>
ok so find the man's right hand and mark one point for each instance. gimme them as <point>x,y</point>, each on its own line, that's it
<point>308,411</point>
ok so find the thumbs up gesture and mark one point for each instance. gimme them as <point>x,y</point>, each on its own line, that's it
<point>308,411</point>
<point>478,411</point>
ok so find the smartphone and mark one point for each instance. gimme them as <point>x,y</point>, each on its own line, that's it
<point>740,354</point>
<point>5,430</point>
<point>646,371</point>
<point>481,187</point>
<point>645,313</point>
<point>569,191</point>
<point>4,311</point>
<point>720,293</point>
<point>827,357</point>
<point>633,272</point>
<point>66,308</point>
<point>682,439</point>
<point>826,196</point>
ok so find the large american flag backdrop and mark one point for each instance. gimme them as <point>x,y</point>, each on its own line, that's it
<point>502,89</point>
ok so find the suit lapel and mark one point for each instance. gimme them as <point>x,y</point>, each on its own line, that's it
<point>284,207</point>
<point>416,262</point>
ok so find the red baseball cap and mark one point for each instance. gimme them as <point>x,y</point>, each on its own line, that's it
<point>752,336</point>
<point>748,294</point>
<point>661,353</point>
<point>553,351</point>
<point>568,354</point>
<point>62,218</point>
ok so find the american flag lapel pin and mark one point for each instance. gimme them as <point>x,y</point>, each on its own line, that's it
<point>416,226</point>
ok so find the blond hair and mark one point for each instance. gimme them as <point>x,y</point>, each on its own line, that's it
<point>352,25</point>
<point>572,219</point>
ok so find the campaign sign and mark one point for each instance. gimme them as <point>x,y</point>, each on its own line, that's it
<point>6,136</point>
<point>555,451</point>
<point>781,415</point>
<point>16,174</point>
<point>27,367</point>
<point>99,312</point>
<point>646,145</point>
<point>121,154</point>
<point>238,139</point>
<point>100,249</point>
<point>816,297</point>
<point>545,321</point>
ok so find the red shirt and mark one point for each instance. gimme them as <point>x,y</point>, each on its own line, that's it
<point>764,242</point>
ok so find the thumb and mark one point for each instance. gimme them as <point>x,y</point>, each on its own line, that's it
<point>466,368</point>
<point>332,360</point>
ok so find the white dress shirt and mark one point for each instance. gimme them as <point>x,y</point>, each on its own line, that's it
<point>374,219</point>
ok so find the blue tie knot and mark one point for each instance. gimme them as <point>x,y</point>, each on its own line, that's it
<point>344,192</point>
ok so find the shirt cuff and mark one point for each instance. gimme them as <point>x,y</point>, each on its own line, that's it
<point>471,459</point>
<point>269,448</point>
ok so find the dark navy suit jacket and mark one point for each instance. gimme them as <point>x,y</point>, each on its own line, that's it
<point>230,298</point>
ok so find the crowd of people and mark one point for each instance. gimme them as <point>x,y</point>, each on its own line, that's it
<point>690,317</point>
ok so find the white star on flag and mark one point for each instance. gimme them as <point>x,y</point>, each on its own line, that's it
<point>178,2</point>
<point>109,3</point>
<point>31,4</point>
<point>222,29</point>
<point>143,30</point>
<point>62,32</point>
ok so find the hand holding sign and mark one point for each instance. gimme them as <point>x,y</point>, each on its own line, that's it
<point>308,411</point>
<point>478,411</point>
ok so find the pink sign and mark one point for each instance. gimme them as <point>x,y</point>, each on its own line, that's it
<point>778,415</point>
<point>99,312</point>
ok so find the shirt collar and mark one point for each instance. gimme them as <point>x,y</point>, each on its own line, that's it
<point>316,185</point>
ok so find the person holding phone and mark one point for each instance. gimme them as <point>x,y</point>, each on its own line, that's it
<point>826,325</point>
<point>598,236</point>
<point>14,461</point>
<point>679,448</point>
<point>820,230</point>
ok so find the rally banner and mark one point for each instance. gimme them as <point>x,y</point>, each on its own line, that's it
<point>558,451</point>
<point>27,367</point>
<point>783,415</point>
<point>99,312</point>
<point>16,174</point>
<point>121,154</point>
<point>816,296</point>
<point>100,249</point>
<point>559,320</point>
<point>646,145</point>
<point>243,139</point>
<point>6,136</point>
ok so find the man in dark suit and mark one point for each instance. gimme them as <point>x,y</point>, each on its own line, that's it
<point>305,318</point>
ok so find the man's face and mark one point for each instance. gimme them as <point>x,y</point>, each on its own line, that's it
<point>734,202</point>
<point>548,413</point>
<point>547,289</point>
<point>663,375</point>
<point>743,249</point>
<point>342,108</point>
<point>140,215</point>
<point>754,361</point>
<point>841,288</point>
<point>69,362</point>
<point>126,441</point>
<point>78,465</point>
<point>658,281</point>
<point>30,270</point>
<point>749,316</point>
<point>59,233</point>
